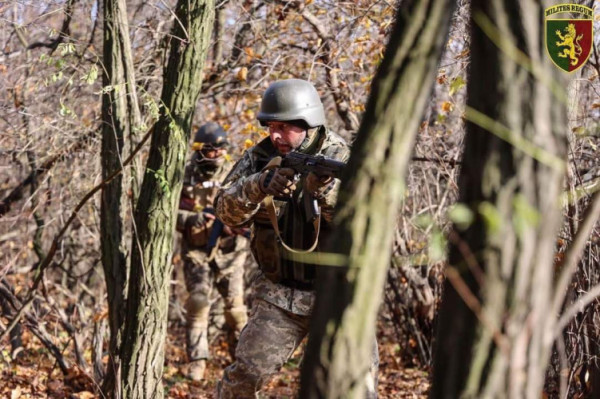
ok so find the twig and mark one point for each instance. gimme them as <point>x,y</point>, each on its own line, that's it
<point>451,162</point>
<point>475,305</point>
<point>65,31</point>
<point>98,367</point>
<point>575,308</point>
<point>58,237</point>
<point>569,263</point>
<point>17,193</point>
<point>38,330</point>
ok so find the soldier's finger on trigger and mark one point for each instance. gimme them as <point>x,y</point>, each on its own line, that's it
<point>287,172</point>
<point>282,180</point>
<point>277,186</point>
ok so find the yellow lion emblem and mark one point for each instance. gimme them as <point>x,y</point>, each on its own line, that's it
<point>571,41</point>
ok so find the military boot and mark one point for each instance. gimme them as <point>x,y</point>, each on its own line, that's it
<point>196,370</point>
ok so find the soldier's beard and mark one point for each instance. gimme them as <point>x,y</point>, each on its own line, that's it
<point>283,148</point>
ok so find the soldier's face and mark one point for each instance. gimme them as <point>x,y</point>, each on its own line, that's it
<point>213,152</point>
<point>285,137</point>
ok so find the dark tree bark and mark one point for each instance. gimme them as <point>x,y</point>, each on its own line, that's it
<point>343,330</point>
<point>497,320</point>
<point>148,292</point>
<point>120,119</point>
<point>218,35</point>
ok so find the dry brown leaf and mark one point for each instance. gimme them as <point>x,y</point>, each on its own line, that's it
<point>447,106</point>
<point>103,314</point>
<point>84,395</point>
<point>242,74</point>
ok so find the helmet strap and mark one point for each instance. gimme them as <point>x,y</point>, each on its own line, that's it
<point>207,163</point>
<point>312,136</point>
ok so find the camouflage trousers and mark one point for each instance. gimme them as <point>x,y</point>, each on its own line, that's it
<point>266,343</point>
<point>225,273</point>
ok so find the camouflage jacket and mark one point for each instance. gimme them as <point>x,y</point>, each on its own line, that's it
<point>239,203</point>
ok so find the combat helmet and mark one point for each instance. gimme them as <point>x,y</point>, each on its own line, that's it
<point>209,136</point>
<point>292,100</point>
<point>212,134</point>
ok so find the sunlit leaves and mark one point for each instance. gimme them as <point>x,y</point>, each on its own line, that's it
<point>197,146</point>
<point>437,246</point>
<point>66,48</point>
<point>461,216</point>
<point>242,74</point>
<point>456,84</point>
<point>525,216</point>
<point>151,106</point>
<point>91,76</point>
<point>491,217</point>
<point>447,106</point>
<point>162,181</point>
<point>66,111</point>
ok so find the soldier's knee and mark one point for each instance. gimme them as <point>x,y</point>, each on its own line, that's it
<point>197,304</point>
<point>236,314</point>
<point>236,318</point>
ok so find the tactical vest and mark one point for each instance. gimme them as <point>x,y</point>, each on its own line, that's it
<point>203,188</point>
<point>275,261</point>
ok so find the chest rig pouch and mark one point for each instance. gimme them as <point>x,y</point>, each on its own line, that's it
<point>280,255</point>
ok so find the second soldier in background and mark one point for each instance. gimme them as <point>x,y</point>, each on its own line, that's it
<point>213,254</point>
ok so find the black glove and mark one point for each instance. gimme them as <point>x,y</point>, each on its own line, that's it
<point>278,182</point>
<point>316,185</point>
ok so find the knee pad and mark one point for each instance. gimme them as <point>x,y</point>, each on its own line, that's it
<point>197,307</point>
<point>236,318</point>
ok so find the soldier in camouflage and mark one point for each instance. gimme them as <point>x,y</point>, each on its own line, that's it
<point>284,289</point>
<point>213,254</point>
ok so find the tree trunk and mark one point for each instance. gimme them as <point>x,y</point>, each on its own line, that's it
<point>341,339</point>
<point>496,321</point>
<point>218,35</point>
<point>120,118</point>
<point>148,293</point>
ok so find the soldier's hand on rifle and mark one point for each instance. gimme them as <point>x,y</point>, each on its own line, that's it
<point>235,231</point>
<point>315,184</point>
<point>278,182</point>
<point>199,219</point>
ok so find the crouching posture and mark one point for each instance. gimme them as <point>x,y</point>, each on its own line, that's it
<point>273,200</point>
<point>213,254</point>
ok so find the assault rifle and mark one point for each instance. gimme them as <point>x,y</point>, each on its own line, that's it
<point>320,166</point>
<point>217,230</point>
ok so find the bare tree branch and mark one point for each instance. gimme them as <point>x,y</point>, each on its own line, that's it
<point>573,254</point>
<point>58,238</point>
